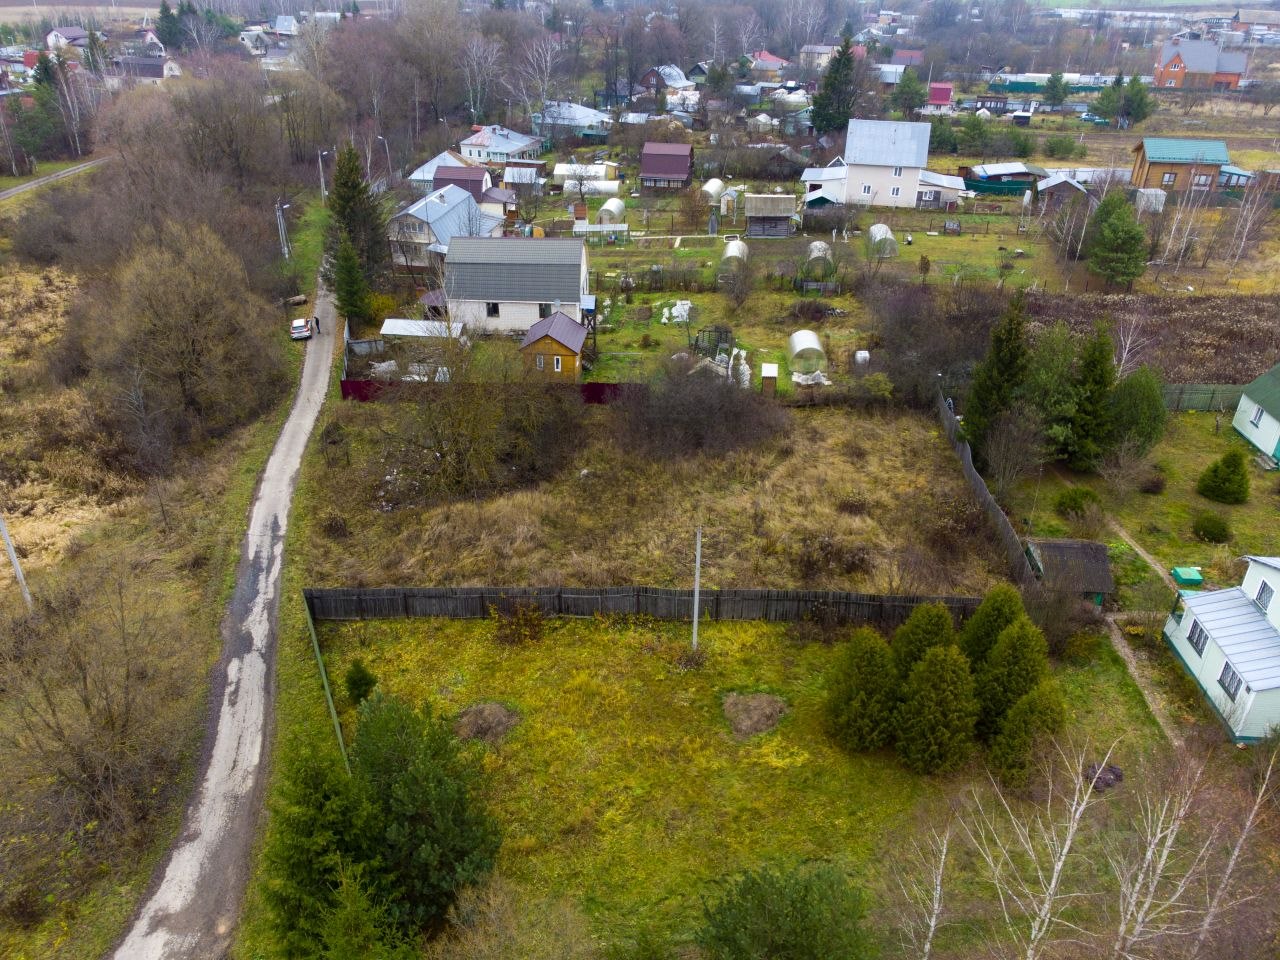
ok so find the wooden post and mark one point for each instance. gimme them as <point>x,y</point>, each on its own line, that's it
<point>17,567</point>
<point>324,681</point>
<point>697,584</point>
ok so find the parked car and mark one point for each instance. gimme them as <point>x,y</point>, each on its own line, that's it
<point>301,329</point>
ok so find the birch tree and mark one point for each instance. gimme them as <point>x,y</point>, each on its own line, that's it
<point>924,890</point>
<point>1251,217</point>
<point>480,59</point>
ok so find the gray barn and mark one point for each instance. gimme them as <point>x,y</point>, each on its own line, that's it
<point>770,214</point>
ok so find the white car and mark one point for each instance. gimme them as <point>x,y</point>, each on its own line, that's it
<point>301,329</point>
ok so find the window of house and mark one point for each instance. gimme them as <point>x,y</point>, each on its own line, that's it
<point>1200,180</point>
<point>544,311</point>
<point>1229,680</point>
<point>557,364</point>
<point>866,189</point>
<point>1168,179</point>
<point>1257,416</point>
<point>1265,593</point>
<point>895,192</point>
<point>1197,637</point>
<point>540,362</point>
<point>897,171</point>
<point>490,309</point>
<point>1168,83</point>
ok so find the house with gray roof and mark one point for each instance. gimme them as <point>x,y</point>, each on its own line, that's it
<point>1199,65</point>
<point>880,166</point>
<point>423,178</point>
<point>496,144</point>
<point>420,233</point>
<point>508,284</point>
<point>561,118</point>
<point>1229,641</point>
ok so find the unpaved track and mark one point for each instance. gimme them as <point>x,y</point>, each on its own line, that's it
<point>51,178</point>
<point>192,905</point>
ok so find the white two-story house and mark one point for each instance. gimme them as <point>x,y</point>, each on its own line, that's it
<point>881,166</point>
<point>1229,641</point>
<point>507,284</point>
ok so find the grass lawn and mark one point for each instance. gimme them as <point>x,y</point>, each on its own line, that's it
<point>43,169</point>
<point>307,240</point>
<point>623,788</point>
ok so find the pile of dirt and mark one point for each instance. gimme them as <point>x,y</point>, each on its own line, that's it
<point>489,722</point>
<point>752,713</point>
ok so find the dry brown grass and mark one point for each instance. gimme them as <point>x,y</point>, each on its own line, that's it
<point>846,501</point>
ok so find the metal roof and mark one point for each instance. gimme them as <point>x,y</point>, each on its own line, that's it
<point>1242,632</point>
<point>1273,562</point>
<point>446,159</point>
<point>886,143</point>
<point>499,139</point>
<point>1265,392</point>
<point>1009,168</point>
<point>930,179</point>
<point>563,329</point>
<point>438,329</point>
<point>1203,56</point>
<point>450,211</point>
<point>1183,150</point>
<point>514,269</point>
<point>770,205</point>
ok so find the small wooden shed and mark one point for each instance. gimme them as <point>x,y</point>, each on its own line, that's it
<point>552,349</point>
<point>770,214</point>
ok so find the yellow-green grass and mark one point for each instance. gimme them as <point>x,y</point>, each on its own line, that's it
<point>1161,523</point>
<point>44,169</point>
<point>623,788</point>
<point>307,240</point>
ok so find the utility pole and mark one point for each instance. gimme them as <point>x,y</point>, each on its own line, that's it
<point>697,585</point>
<point>31,607</point>
<point>282,229</point>
<point>324,194</point>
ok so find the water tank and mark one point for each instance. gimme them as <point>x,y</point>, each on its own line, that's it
<point>818,262</point>
<point>712,189</point>
<point>612,211</point>
<point>805,352</point>
<point>883,245</point>
<point>736,251</point>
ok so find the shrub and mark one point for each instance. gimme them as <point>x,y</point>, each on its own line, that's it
<point>1138,410</point>
<point>1211,527</point>
<point>1001,607</point>
<point>359,681</point>
<point>821,555</point>
<point>1039,713</point>
<point>518,622</point>
<point>1226,480</point>
<point>1017,662</point>
<point>804,913</point>
<point>862,693</point>
<point>938,712</point>
<point>1075,501</point>
<point>928,626</point>
<point>1154,483</point>
<point>1062,147</point>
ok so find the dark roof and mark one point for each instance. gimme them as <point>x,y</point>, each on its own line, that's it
<point>152,67</point>
<point>1265,391</point>
<point>470,179</point>
<point>1075,566</point>
<point>672,161</point>
<point>514,269</point>
<point>71,33</point>
<point>907,58</point>
<point>562,329</point>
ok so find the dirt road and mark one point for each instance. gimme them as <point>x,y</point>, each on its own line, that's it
<point>191,909</point>
<point>42,181</point>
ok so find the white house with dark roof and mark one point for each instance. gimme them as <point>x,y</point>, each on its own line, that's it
<point>508,284</point>
<point>1229,641</point>
<point>880,166</point>
<point>423,178</point>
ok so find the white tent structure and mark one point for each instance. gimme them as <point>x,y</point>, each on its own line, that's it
<point>818,262</point>
<point>593,188</point>
<point>712,189</point>
<point>735,254</point>
<point>805,353</point>
<point>613,211</point>
<point>880,239</point>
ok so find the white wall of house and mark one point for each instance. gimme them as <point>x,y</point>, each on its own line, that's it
<point>1206,668</point>
<point>882,182</point>
<point>513,316</point>
<point>1265,434</point>
<point>1255,576</point>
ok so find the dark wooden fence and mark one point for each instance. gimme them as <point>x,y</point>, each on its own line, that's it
<point>786,606</point>
<point>1202,396</point>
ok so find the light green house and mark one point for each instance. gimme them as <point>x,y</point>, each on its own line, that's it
<point>1257,416</point>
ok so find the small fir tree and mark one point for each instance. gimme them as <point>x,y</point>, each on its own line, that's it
<point>356,212</point>
<point>910,94</point>
<point>168,28</point>
<point>999,377</point>
<point>1056,90</point>
<point>359,681</point>
<point>863,693</point>
<point>1015,665</point>
<point>1037,715</point>
<point>1119,254</point>
<point>1001,607</point>
<point>938,712</point>
<point>833,104</point>
<point>1226,480</point>
<point>350,288</point>
<point>1138,412</point>
<point>929,625</point>
<point>1091,422</point>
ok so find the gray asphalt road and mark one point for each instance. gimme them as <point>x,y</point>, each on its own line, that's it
<point>191,908</point>
<point>41,181</point>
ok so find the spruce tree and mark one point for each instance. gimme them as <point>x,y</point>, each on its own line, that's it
<point>862,693</point>
<point>1138,412</point>
<point>168,28</point>
<point>1038,714</point>
<point>1015,665</point>
<point>355,211</point>
<point>350,289</point>
<point>910,94</point>
<point>929,625</point>
<point>1056,90</point>
<point>1226,480</point>
<point>1119,252</point>
<point>998,379</point>
<point>1091,424</point>
<point>833,104</point>
<point>938,712</point>
<point>1001,607</point>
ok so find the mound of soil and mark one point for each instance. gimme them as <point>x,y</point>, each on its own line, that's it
<point>489,722</point>
<point>752,713</point>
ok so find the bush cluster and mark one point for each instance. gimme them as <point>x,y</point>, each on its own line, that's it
<point>1075,502</point>
<point>517,622</point>
<point>934,694</point>
<point>1211,527</point>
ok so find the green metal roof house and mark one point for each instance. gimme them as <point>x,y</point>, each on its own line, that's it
<point>1178,163</point>
<point>1229,641</point>
<point>1257,416</point>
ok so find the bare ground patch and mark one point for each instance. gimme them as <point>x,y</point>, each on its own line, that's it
<point>752,713</point>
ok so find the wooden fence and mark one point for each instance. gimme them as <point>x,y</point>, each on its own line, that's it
<point>787,606</point>
<point>1202,396</point>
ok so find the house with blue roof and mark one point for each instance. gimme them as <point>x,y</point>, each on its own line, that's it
<point>1178,163</point>
<point>1229,641</point>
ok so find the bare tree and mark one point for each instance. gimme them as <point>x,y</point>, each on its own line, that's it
<point>1027,857</point>
<point>925,891</point>
<point>1184,231</point>
<point>1013,448</point>
<point>530,80</point>
<point>1131,339</point>
<point>480,70</point>
<point>749,32</point>
<point>1256,210</point>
